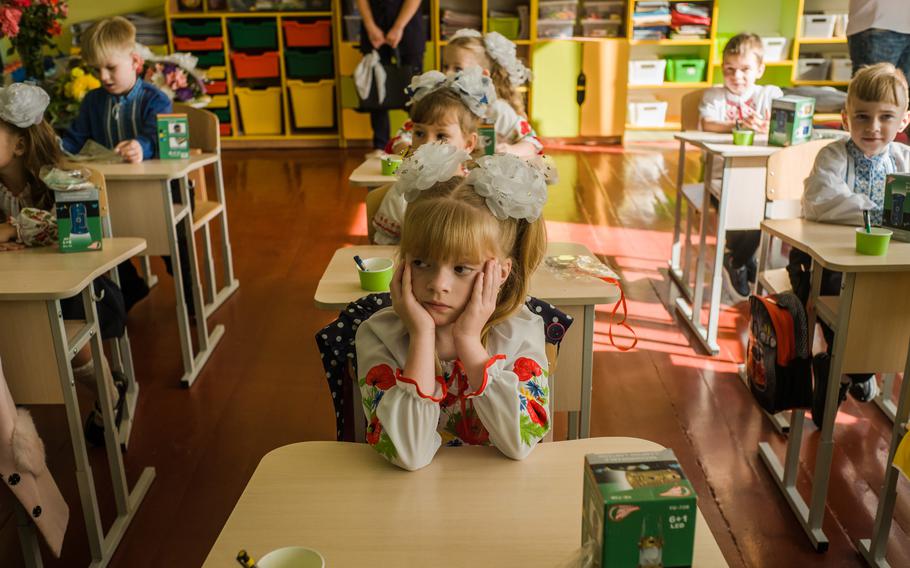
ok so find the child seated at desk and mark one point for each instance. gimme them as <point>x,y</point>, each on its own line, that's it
<point>458,358</point>
<point>495,54</point>
<point>847,179</point>
<point>27,143</point>
<point>739,101</point>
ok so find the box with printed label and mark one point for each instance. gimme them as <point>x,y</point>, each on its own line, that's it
<point>173,137</point>
<point>896,214</point>
<point>486,139</point>
<point>791,120</point>
<point>78,220</point>
<point>638,510</point>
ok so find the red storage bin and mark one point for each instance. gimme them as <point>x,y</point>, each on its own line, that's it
<point>303,34</point>
<point>248,66</point>
<point>215,43</point>
<point>225,128</point>
<point>216,88</point>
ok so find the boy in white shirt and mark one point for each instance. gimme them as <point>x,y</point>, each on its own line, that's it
<point>741,101</point>
<point>849,178</point>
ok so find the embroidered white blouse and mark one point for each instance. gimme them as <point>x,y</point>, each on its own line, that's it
<point>510,410</point>
<point>720,105</point>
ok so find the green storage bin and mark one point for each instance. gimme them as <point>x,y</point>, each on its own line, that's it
<point>197,28</point>
<point>258,34</point>
<point>223,114</point>
<point>209,58</point>
<point>685,69</point>
<point>506,26</point>
<point>309,64</point>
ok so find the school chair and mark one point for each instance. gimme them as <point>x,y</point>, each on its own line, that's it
<point>373,201</point>
<point>339,358</point>
<point>205,136</point>
<point>689,195</point>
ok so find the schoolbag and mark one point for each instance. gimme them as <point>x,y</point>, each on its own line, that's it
<point>777,359</point>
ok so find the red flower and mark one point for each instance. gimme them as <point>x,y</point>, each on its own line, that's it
<point>536,412</point>
<point>9,21</point>
<point>471,430</point>
<point>54,28</point>
<point>526,369</point>
<point>381,377</point>
<point>21,3</point>
<point>449,400</point>
<point>374,431</point>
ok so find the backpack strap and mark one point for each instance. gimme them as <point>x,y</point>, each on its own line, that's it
<point>783,330</point>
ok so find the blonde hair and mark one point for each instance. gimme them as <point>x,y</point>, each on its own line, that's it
<point>498,73</point>
<point>439,105</point>
<point>105,37</point>
<point>41,149</point>
<point>744,44</point>
<point>879,83</point>
<point>471,232</point>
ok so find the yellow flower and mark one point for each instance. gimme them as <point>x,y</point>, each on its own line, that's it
<point>77,72</point>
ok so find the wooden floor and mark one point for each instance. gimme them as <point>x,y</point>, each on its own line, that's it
<point>264,386</point>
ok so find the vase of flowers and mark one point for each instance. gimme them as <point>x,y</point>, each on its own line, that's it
<point>67,86</point>
<point>30,26</point>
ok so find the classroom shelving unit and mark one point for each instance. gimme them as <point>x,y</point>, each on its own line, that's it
<point>835,45</point>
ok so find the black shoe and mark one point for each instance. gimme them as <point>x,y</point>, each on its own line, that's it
<point>94,423</point>
<point>751,270</point>
<point>821,364</point>
<point>863,387</point>
<point>735,280</point>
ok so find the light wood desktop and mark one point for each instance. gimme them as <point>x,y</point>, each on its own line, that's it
<point>470,507</point>
<point>871,323</point>
<point>576,297</point>
<point>369,174</point>
<point>141,206</point>
<point>36,353</point>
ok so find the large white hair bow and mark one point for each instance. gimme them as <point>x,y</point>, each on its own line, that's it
<point>466,32</point>
<point>423,84</point>
<point>502,51</point>
<point>512,187</point>
<point>427,166</point>
<point>23,104</point>
<point>475,89</point>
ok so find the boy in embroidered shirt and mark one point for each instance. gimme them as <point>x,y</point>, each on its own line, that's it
<point>849,178</point>
<point>122,113</point>
<point>741,101</point>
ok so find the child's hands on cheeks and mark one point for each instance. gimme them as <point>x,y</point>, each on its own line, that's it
<point>482,303</point>
<point>129,150</point>
<point>415,317</point>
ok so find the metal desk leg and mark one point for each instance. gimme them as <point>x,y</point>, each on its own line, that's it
<point>677,220</point>
<point>230,282</point>
<point>145,265</point>
<point>587,372</point>
<point>885,400</point>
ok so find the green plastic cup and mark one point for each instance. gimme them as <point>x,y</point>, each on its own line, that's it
<point>390,165</point>
<point>292,557</point>
<point>874,243</point>
<point>378,274</point>
<point>743,137</point>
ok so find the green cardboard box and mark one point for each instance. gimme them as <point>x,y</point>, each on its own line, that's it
<point>896,214</point>
<point>486,139</point>
<point>638,510</point>
<point>173,137</point>
<point>791,120</point>
<point>78,220</point>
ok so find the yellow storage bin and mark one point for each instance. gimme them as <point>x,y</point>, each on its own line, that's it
<point>219,101</point>
<point>356,125</point>
<point>260,110</point>
<point>217,73</point>
<point>313,104</point>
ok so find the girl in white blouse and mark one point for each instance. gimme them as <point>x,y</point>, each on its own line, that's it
<point>459,358</point>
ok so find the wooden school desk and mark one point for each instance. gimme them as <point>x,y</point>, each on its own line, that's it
<point>470,507</point>
<point>36,351</point>
<point>369,174</point>
<point>340,286</point>
<point>141,206</point>
<point>871,323</point>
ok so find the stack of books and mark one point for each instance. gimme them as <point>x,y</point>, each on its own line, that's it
<point>690,20</point>
<point>452,21</point>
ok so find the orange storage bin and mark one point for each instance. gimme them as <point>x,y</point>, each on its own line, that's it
<point>215,43</point>
<point>225,128</point>
<point>216,88</point>
<point>248,66</point>
<point>304,34</point>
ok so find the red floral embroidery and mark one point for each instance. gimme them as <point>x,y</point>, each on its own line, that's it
<point>381,377</point>
<point>374,430</point>
<point>526,369</point>
<point>525,128</point>
<point>471,430</point>
<point>408,126</point>
<point>449,400</point>
<point>536,412</point>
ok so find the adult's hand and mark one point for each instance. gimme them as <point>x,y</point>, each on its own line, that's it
<point>393,37</point>
<point>377,39</point>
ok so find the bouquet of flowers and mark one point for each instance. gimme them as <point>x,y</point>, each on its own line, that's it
<point>30,26</point>
<point>67,87</point>
<point>175,74</point>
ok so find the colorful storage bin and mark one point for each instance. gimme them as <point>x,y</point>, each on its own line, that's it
<point>260,110</point>
<point>209,58</point>
<point>218,101</point>
<point>309,64</point>
<point>216,73</point>
<point>225,128</point>
<point>263,66</point>
<point>253,34</point>
<point>216,87</point>
<point>223,114</point>
<point>682,69</point>
<point>507,26</point>
<point>313,104</point>
<point>193,45</point>
<point>197,28</point>
<point>308,34</point>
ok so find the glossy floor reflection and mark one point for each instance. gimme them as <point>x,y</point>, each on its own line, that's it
<point>289,211</point>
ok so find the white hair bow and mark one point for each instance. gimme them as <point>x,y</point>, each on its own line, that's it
<point>466,32</point>
<point>475,89</point>
<point>23,104</point>
<point>502,50</point>
<point>429,165</point>
<point>511,187</point>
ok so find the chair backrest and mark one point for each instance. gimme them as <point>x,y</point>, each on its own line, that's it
<point>689,117</point>
<point>373,201</point>
<point>204,131</point>
<point>788,169</point>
